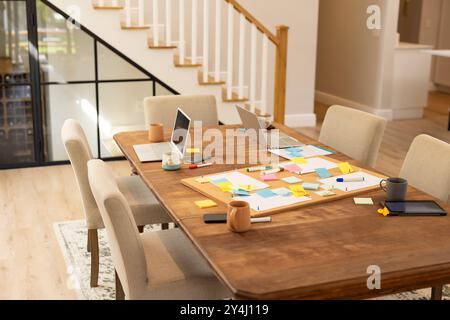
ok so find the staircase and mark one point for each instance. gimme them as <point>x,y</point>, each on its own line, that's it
<point>196,47</point>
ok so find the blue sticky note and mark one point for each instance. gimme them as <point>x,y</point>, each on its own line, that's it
<point>266,193</point>
<point>219,181</point>
<point>241,193</point>
<point>294,150</point>
<point>323,173</point>
<point>283,192</point>
<point>311,186</point>
<point>292,180</point>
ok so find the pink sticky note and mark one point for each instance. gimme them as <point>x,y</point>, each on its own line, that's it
<point>293,168</point>
<point>269,177</point>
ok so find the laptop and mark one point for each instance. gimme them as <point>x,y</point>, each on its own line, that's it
<point>251,121</point>
<point>154,152</point>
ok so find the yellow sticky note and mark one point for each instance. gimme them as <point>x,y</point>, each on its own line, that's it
<point>298,191</point>
<point>385,212</point>
<point>192,150</point>
<point>203,180</point>
<point>248,188</point>
<point>299,161</point>
<point>226,186</point>
<point>205,204</point>
<point>345,168</point>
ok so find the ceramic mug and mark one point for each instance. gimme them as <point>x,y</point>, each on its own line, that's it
<point>239,219</point>
<point>156,133</point>
<point>395,188</point>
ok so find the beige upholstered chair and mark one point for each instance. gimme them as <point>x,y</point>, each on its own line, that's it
<point>355,133</point>
<point>162,109</point>
<point>427,167</point>
<point>144,206</point>
<point>152,265</point>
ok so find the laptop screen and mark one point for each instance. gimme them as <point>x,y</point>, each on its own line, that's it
<point>181,131</point>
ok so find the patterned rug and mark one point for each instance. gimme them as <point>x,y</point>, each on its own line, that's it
<point>72,237</point>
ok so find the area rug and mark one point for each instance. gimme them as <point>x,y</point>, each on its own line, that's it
<point>72,237</point>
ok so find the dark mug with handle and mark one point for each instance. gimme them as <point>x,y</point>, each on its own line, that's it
<point>395,188</point>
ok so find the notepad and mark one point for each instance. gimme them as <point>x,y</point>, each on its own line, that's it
<point>323,173</point>
<point>311,186</point>
<point>326,193</point>
<point>345,168</point>
<point>239,192</point>
<point>203,180</point>
<point>225,186</point>
<point>284,192</point>
<point>205,204</point>
<point>266,193</point>
<point>292,180</point>
<point>363,201</point>
<point>293,168</point>
<point>269,177</point>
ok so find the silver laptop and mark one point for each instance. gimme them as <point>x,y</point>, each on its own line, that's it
<point>251,121</point>
<point>154,152</point>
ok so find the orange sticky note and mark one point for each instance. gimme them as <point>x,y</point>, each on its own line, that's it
<point>205,204</point>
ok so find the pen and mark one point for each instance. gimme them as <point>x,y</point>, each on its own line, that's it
<point>259,169</point>
<point>361,179</point>
<point>197,166</point>
<point>261,220</point>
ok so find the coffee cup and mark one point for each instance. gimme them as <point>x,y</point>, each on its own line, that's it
<point>239,219</point>
<point>156,133</point>
<point>395,188</point>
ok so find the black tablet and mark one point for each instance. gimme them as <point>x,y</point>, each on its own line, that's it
<point>415,208</point>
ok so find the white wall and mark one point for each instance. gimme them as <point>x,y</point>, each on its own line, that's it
<point>354,64</point>
<point>302,18</point>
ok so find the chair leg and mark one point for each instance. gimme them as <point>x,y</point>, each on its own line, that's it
<point>141,229</point>
<point>436,293</point>
<point>164,226</point>
<point>95,262</point>
<point>120,295</point>
<point>88,242</point>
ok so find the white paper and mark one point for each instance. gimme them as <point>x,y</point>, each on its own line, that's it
<point>369,181</point>
<point>313,164</point>
<point>258,203</point>
<point>307,152</point>
<point>239,179</point>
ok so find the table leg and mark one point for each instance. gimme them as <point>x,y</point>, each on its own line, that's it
<point>436,292</point>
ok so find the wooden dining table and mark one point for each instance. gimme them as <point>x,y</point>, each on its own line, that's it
<point>323,251</point>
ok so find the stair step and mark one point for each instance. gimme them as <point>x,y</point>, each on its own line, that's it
<point>187,62</point>
<point>108,8</point>
<point>257,111</point>
<point>160,45</point>
<point>235,96</point>
<point>125,27</point>
<point>211,80</point>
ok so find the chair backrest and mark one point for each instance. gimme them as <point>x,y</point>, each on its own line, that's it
<point>427,166</point>
<point>163,109</point>
<point>77,148</point>
<point>126,246</point>
<point>355,133</point>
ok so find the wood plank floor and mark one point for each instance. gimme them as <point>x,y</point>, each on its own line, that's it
<point>32,200</point>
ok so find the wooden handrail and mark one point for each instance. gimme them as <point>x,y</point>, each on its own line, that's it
<point>254,21</point>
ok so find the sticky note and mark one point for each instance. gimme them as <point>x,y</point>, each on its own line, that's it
<point>298,191</point>
<point>203,180</point>
<point>294,150</point>
<point>225,186</point>
<point>283,192</point>
<point>205,204</point>
<point>299,161</point>
<point>292,180</point>
<point>266,193</point>
<point>326,193</point>
<point>345,168</point>
<point>239,192</point>
<point>385,212</point>
<point>323,173</point>
<point>247,188</point>
<point>192,150</point>
<point>363,201</point>
<point>311,186</point>
<point>328,187</point>
<point>269,177</point>
<point>293,168</point>
<point>219,181</point>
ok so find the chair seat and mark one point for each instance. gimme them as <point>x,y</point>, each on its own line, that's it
<point>176,271</point>
<point>145,207</point>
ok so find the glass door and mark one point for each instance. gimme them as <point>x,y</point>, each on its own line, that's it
<point>17,134</point>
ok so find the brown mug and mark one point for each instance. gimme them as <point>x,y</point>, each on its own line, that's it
<point>156,133</point>
<point>239,219</point>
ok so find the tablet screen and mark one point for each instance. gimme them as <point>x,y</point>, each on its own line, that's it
<point>415,207</point>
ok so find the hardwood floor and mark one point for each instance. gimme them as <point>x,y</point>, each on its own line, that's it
<point>32,200</point>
